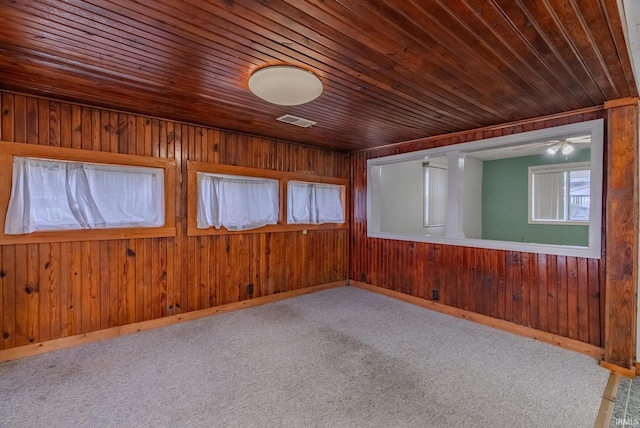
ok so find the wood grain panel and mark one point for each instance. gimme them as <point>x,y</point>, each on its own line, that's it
<point>392,70</point>
<point>558,295</point>
<point>622,233</point>
<point>52,290</point>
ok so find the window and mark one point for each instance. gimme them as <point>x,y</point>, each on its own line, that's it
<point>61,195</point>
<point>435,194</point>
<point>314,203</point>
<point>230,199</point>
<point>560,193</point>
<point>236,202</point>
<point>488,202</point>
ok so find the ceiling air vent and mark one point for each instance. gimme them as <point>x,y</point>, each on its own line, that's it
<point>295,120</point>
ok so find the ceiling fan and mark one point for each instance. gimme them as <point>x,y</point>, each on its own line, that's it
<point>565,145</point>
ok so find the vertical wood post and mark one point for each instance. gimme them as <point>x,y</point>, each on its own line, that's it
<point>621,278</point>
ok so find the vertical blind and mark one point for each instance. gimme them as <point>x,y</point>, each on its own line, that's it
<point>61,195</point>
<point>314,203</point>
<point>235,202</point>
<point>549,196</point>
<point>560,193</point>
<point>435,198</point>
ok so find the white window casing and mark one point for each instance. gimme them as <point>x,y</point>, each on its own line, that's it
<point>551,198</point>
<point>590,204</point>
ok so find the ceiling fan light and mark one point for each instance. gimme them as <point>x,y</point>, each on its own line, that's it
<point>553,149</point>
<point>567,148</point>
<point>285,85</point>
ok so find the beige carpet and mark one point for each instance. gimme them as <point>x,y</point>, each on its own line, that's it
<point>343,357</point>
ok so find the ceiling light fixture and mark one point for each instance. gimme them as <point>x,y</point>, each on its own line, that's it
<point>285,85</point>
<point>564,147</point>
<point>553,149</point>
<point>567,148</point>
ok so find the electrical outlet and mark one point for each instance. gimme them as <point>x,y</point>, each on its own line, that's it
<point>435,295</point>
<point>250,289</point>
<point>363,277</point>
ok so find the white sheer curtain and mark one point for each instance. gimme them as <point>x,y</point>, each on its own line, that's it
<point>59,195</point>
<point>235,202</point>
<point>314,203</point>
<point>435,184</point>
<point>549,196</point>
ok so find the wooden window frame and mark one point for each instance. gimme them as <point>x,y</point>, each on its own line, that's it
<point>10,150</point>
<point>193,168</point>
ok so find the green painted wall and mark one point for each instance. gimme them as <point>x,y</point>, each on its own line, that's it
<point>504,203</point>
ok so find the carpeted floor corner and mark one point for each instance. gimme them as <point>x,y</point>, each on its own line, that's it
<point>343,357</point>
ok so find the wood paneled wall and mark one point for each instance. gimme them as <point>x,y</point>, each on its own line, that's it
<point>56,290</point>
<point>622,232</point>
<point>556,294</point>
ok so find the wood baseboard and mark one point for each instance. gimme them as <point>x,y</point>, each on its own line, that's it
<point>563,342</point>
<point>110,333</point>
<point>622,371</point>
<point>603,420</point>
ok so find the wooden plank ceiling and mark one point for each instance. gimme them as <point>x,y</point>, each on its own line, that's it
<point>392,70</point>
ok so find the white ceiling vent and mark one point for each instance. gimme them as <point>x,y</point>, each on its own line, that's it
<point>295,120</point>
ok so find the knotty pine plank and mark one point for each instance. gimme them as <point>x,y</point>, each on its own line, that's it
<point>21,297</point>
<point>515,269</point>
<point>34,120</point>
<point>139,283</point>
<point>621,278</point>
<point>86,130</point>
<point>96,133</point>
<point>20,118</point>
<point>128,254</point>
<point>105,285</point>
<point>46,292</point>
<point>525,289</point>
<point>54,123</point>
<point>563,308</point>
<point>164,245</point>
<point>32,289</point>
<point>552,294</point>
<point>583,300</point>
<point>594,299</point>
<point>573,297</point>
<point>76,127</point>
<point>7,120</point>
<point>9,296</point>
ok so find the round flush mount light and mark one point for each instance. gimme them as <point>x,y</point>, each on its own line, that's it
<point>285,85</point>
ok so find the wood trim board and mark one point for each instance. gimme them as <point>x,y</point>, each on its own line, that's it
<point>283,177</point>
<point>9,150</point>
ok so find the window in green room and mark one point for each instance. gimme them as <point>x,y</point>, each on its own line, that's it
<point>559,193</point>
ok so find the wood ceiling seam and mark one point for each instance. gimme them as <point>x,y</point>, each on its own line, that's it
<point>570,46</point>
<point>320,66</point>
<point>376,85</point>
<point>538,72</point>
<point>387,100</point>
<point>614,19</point>
<point>443,36</point>
<point>434,78</point>
<point>608,78</point>
<point>574,81</point>
<point>423,119</point>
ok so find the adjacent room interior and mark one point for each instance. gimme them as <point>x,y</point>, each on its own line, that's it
<point>265,180</point>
